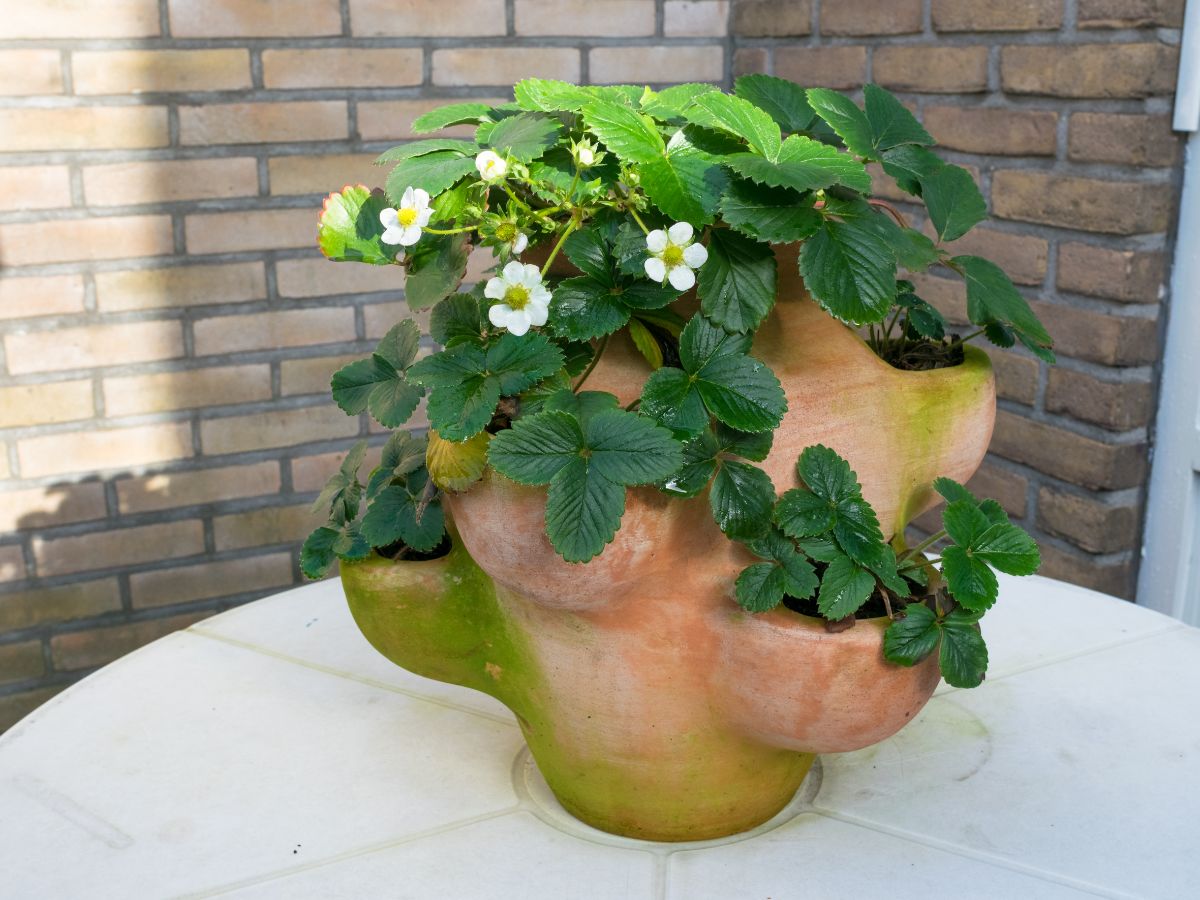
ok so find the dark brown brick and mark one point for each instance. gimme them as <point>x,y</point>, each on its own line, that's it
<point>772,18</point>
<point>1086,204</point>
<point>749,59</point>
<point>1071,457</point>
<point>1132,276</point>
<point>1130,13</point>
<point>1117,405</point>
<point>932,70</point>
<point>58,604</point>
<point>988,15</point>
<point>21,661</point>
<point>994,131</point>
<point>1131,140</point>
<point>1089,70</point>
<point>1097,337</point>
<point>1009,489</point>
<point>1109,577</point>
<point>841,68</point>
<point>1023,256</point>
<point>860,17</point>
<point>15,707</point>
<point>1087,521</point>
<point>949,295</point>
<point>1016,375</point>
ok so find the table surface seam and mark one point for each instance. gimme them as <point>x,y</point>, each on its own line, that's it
<point>349,676</point>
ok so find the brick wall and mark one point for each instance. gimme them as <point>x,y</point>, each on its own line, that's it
<point>167,330</point>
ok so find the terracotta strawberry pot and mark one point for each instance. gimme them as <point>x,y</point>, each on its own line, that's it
<point>654,706</point>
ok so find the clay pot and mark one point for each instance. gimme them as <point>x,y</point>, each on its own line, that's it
<point>654,706</point>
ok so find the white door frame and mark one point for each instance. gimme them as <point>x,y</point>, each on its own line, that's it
<point>1169,579</point>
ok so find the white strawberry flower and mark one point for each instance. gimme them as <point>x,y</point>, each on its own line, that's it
<point>524,300</point>
<point>403,225</point>
<point>491,165</point>
<point>518,244</point>
<point>673,256</point>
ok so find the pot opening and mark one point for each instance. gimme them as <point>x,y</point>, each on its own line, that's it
<point>921,354</point>
<point>401,552</point>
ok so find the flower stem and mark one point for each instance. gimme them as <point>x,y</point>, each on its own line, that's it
<point>571,226</point>
<point>638,219</point>
<point>917,563</point>
<point>592,365</point>
<point>896,214</point>
<point>932,539</point>
<point>963,340</point>
<point>465,228</point>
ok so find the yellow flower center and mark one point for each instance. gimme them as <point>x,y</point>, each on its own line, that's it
<point>517,296</point>
<point>672,256</point>
<point>506,232</point>
<point>407,216</point>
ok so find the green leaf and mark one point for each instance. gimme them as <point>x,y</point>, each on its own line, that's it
<point>393,517</point>
<point>670,102</point>
<point>379,384</point>
<point>548,95</point>
<point>1007,548</point>
<point>629,134</point>
<point>438,266</point>
<point>803,165</point>
<point>951,490</point>
<point>629,449</point>
<point>964,657</point>
<point>329,542</point>
<point>969,579</point>
<point>921,319</point>
<point>741,499</point>
<point>909,640</point>
<point>737,284</point>
<point>910,165</point>
<point>583,511</point>
<point>669,397</point>
<point>458,318</point>
<point>954,202</point>
<point>686,183</point>
<point>646,343</point>
<point>453,114</point>
<point>402,455</point>
<point>801,513</point>
<point>783,100</point>
<point>399,346</point>
<point>778,215</point>
<point>583,405</point>
<point>456,465</point>
<point>342,492</point>
<point>891,123</point>
<point>738,117</point>
<point>832,482</point>
<point>845,586</point>
<point>913,250</point>
<point>964,521</point>
<point>525,137</point>
<point>589,250</point>
<point>429,145</point>
<point>583,308</point>
<point>849,266</point>
<point>992,300</point>
<point>845,118</point>
<point>350,230</point>
<point>434,172</point>
<point>760,587</point>
<point>537,447</point>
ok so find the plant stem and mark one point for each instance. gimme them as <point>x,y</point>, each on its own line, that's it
<point>917,563</point>
<point>634,405</point>
<point>896,214</point>
<point>571,226</point>
<point>932,539</point>
<point>963,340</point>
<point>592,365</point>
<point>465,228</point>
<point>638,219</point>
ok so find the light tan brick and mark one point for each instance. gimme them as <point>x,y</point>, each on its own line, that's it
<point>21,661</point>
<point>92,345</point>
<point>58,504</point>
<point>695,18</point>
<point>24,72</point>
<point>99,646</point>
<point>262,527</point>
<point>44,404</point>
<point>1067,455</point>
<point>130,395</point>
<point>656,65</point>
<point>101,449</point>
<point>62,240</point>
<point>320,277</point>
<point>1091,204</point>
<point>1010,132</point>
<point>986,15</point>
<point>281,428</point>
<point>392,119</point>
<point>180,286</point>
<point>311,375</point>
<point>1090,70</point>
<point>4,472</point>
<point>258,123</point>
<point>83,128</point>
<point>255,18</point>
<point>503,65</point>
<point>266,229</point>
<point>841,68</point>
<point>379,318</point>
<point>139,71</point>
<point>170,490</point>
<point>1023,256</point>
<point>1132,140</point>
<point>1130,13</point>
<point>309,473</point>
<point>127,183</point>
<point>427,18</point>
<point>1132,276</point>
<point>933,70</point>
<point>12,563</point>
<point>342,67</point>
<point>772,18</point>
<point>80,19</point>
<point>15,707</point>
<point>1116,405</point>
<point>34,187</point>
<point>271,330</point>
<point>207,580</point>
<point>859,17</point>
<point>325,173</point>
<point>596,18</point>
<point>118,547</point>
<point>40,295</point>
<point>59,604</point>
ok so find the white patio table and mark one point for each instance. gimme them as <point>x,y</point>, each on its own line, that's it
<point>270,752</point>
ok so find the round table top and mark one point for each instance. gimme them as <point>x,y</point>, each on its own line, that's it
<point>270,752</point>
